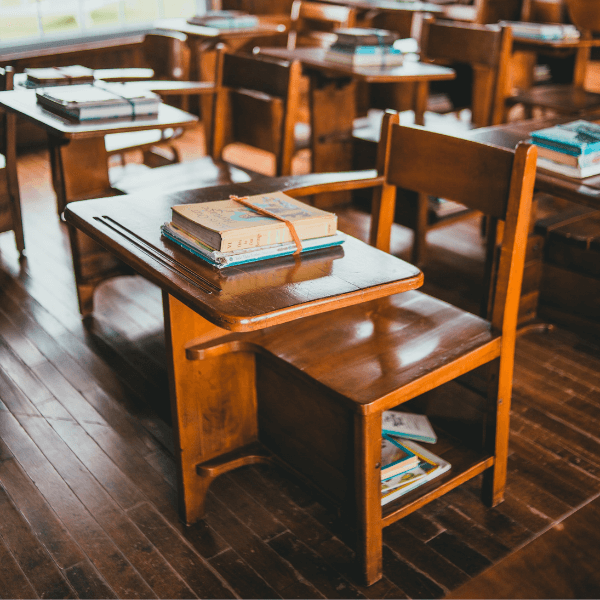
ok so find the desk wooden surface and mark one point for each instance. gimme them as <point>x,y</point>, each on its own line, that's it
<point>23,103</point>
<point>243,298</point>
<point>582,191</point>
<point>265,27</point>
<point>407,72</point>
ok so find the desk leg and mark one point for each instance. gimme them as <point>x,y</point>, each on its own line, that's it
<point>80,171</point>
<point>213,402</point>
<point>332,110</point>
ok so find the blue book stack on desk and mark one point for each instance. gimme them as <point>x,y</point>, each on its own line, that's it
<point>365,48</point>
<point>571,149</point>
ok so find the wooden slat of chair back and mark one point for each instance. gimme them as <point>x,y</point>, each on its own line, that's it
<point>585,14</point>
<point>462,42</point>
<point>471,173</point>
<point>168,54</point>
<point>258,73</point>
<point>314,18</point>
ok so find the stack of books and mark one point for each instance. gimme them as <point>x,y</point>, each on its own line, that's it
<point>572,149</point>
<point>105,101</point>
<point>405,464</point>
<point>225,19</point>
<point>226,233</point>
<point>543,31</point>
<point>51,76</point>
<point>365,48</point>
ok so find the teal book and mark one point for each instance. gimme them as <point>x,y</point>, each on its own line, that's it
<point>574,138</point>
<point>396,458</point>
<point>221,260</point>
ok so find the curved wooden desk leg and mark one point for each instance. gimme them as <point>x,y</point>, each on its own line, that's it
<point>369,538</point>
<point>213,402</point>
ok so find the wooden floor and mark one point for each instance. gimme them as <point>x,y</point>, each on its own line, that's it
<point>87,496</point>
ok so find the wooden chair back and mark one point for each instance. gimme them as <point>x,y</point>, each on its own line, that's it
<point>544,11</point>
<point>400,21</point>
<point>313,22</point>
<point>257,104</point>
<point>492,11</point>
<point>585,14</point>
<point>168,54</point>
<point>487,49</point>
<point>255,7</point>
<point>495,181</point>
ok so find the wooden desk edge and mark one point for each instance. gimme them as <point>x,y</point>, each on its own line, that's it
<point>234,323</point>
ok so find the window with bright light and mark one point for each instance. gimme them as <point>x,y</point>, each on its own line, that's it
<point>23,21</point>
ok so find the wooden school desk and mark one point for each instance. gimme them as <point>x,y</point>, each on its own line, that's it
<point>215,402</point>
<point>530,48</point>
<point>333,99</point>
<point>79,165</point>
<point>581,191</point>
<point>77,152</point>
<point>557,285</point>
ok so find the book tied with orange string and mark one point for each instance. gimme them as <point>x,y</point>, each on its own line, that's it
<point>239,230</point>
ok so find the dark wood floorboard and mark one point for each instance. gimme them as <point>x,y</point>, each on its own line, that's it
<point>88,503</point>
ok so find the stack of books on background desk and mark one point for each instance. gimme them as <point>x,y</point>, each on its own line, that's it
<point>226,233</point>
<point>572,149</point>
<point>225,19</point>
<point>100,101</point>
<point>543,31</point>
<point>365,48</point>
<point>406,465</point>
<point>51,76</point>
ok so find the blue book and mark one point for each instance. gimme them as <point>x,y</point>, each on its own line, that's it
<point>575,138</point>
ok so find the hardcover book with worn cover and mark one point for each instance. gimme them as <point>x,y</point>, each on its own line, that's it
<point>98,102</point>
<point>227,225</point>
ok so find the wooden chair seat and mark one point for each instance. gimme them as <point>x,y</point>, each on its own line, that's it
<point>379,347</point>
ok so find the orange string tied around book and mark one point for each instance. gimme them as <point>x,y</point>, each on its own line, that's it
<point>268,213</point>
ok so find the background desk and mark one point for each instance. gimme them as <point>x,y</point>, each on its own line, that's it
<point>567,281</point>
<point>333,99</point>
<point>79,164</point>
<point>581,191</point>
<point>214,402</point>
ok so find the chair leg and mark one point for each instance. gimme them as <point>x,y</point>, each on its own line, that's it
<point>498,429</point>
<point>368,496</point>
